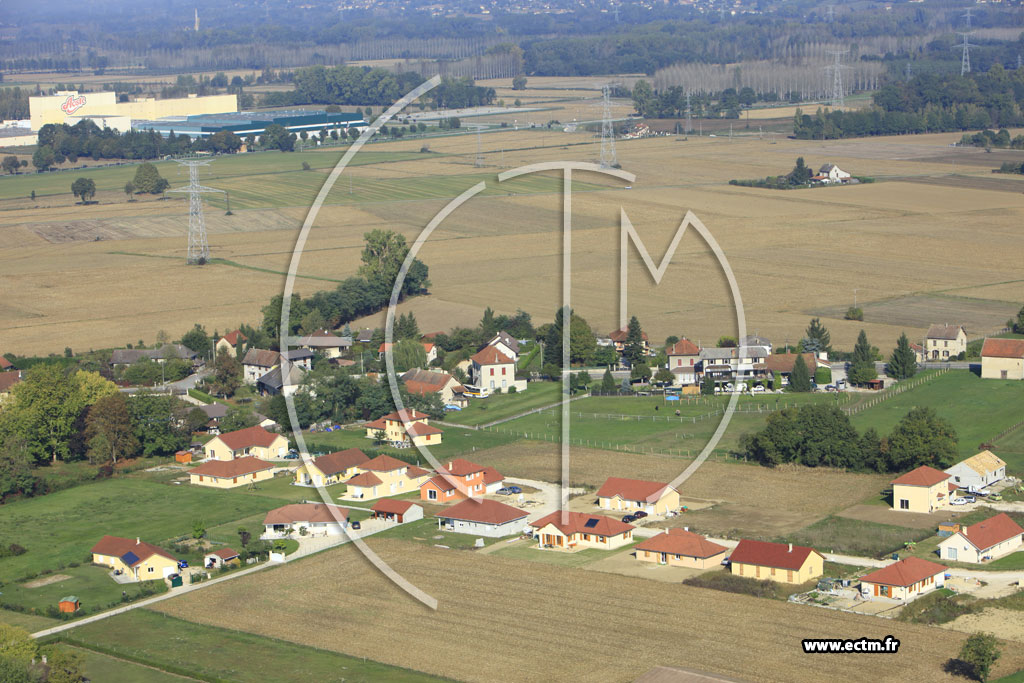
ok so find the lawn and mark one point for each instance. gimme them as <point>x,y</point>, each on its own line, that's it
<point>91,584</point>
<point>216,653</point>
<point>978,409</point>
<point>101,667</point>
<point>425,531</point>
<point>1013,561</point>
<point>856,537</point>
<point>29,622</point>
<point>500,406</point>
<point>580,558</point>
<point>61,528</point>
<point>455,442</point>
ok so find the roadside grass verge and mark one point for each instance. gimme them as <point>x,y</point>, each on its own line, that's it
<point>939,607</point>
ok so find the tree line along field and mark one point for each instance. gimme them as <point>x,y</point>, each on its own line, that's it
<point>878,224</point>
<point>538,613</point>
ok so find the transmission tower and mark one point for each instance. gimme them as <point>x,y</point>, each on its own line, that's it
<point>965,57</point>
<point>688,126</point>
<point>608,157</point>
<point>198,249</point>
<point>831,14</point>
<point>909,71</point>
<point>837,77</point>
<point>479,162</point>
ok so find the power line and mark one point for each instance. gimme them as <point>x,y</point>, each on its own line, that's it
<point>837,98</point>
<point>965,56</point>
<point>608,157</point>
<point>198,248</point>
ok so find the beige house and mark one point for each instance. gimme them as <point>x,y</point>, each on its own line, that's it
<point>228,474</point>
<point>978,471</point>
<point>507,344</point>
<point>425,382</point>
<point>134,559</point>
<point>782,562</point>
<point>230,342</point>
<point>681,548</point>
<point>384,476</point>
<point>404,428</point>
<point>492,371</point>
<point>683,358</point>
<point>1002,359</point>
<point>332,468</point>
<point>944,342</point>
<point>258,362</point>
<point>630,495</point>
<point>577,530</point>
<point>988,540</point>
<point>924,489</point>
<point>255,441</point>
<point>904,580</point>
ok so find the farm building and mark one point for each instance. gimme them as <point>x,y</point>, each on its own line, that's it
<point>785,563</point>
<point>492,371</point>
<point>904,580</point>
<point>1002,359</point>
<point>482,517</point>
<point>227,474</point>
<point>833,174</point>
<point>134,559</point>
<point>332,468</point>
<point>244,124</point>
<point>459,480</point>
<point>943,342</point>
<point>681,548</point>
<point>424,382</point>
<point>924,489</point>
<point>69,604</point>
<point>404,428</point>
<point>653,497</point>
<point>400,511</point>
<point>995,537</point>
<point>254,441</point>
<point>384,476</point>
<point>505,343</point>
<point>978,471</point>
<point>580,530</point>
<point>318,520</point>
<point>125,357</point>
<point>683,357</point>
<point>231,343</point>
<point>222,557</point>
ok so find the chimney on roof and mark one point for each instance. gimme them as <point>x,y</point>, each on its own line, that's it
<point>686,528</point>
<point>138,540</point>
<point>790,547</point>
<point>449,464</point>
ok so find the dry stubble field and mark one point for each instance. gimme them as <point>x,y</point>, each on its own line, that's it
<point>795,253</point>
<point>515,619</point>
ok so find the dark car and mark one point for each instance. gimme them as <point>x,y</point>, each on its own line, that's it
<point>514,489</point>
<point>628,518</point>
<point>639,514</point>
<point>292,456</point>
<point>504,491</point>
<point>355,525</point>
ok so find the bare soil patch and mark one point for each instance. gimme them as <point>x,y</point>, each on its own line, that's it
<point>1004,623</point>
<point>45,580</point>
<point>886,515</point>
<point>536,613</point>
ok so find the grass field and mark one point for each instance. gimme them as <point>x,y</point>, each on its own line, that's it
<point>855,537</point>
<point>92,585</point>
<point>501,406</point>
<point>455,442</point>
<point>978,409</point>
<point>143,637</point>
<point>539,612</point>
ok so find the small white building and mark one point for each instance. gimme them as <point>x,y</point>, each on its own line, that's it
<point>482,517</point>
<point>834,174</point>
<point>978,471</point>
<point>316,518</point>
<point>995,537</point>
<point>904,580</point>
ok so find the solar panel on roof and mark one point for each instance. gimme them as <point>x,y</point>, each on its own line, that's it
<point>129,558</point>
<point>592,522</point>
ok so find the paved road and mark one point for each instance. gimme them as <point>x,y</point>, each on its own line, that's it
<point>550,495</point>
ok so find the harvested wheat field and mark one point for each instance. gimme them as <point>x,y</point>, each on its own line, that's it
<point>500,619</point>
<point>745,499</point>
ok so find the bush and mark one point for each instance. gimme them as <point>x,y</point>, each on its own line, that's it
<point>305,166</point>
<point>731,583</point>
<point>854,313</point>
<point>939,607</point>
<point>823,376</point>
<point>512,390</point>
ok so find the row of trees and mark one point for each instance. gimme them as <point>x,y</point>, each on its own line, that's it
<point>817,435</point>
<point>345,85</point>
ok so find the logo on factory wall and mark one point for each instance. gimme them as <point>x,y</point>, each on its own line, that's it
<point>73,104</point>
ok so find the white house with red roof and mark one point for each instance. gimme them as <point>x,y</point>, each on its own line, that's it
<point>492,372</point>
<point>429,348</point>
<point>577,530</point>
<point>987,540</point>
<point>482,517</point>
<point>460,479</point>
<point>923,489</point>
<point>255,441</point>
<point>1002,359</point>
<point>904,580</point>
<point>316,518</point>
<point>782,562</point>
<point>652,497</point>
<point>619,337</point>
<point>404,428</point>
<point>681,548</point>
<point>683,357</point>
<point>396,511</point>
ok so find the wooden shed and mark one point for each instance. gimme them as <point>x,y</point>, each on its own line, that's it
<point>69,604</point>
<point>184,457</point>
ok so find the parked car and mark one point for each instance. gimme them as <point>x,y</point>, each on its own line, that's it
<point>291,456</point>
<point>639,514</point>
<point>504,491</point>
<point>355,525</point>
<point>628,519</point>
<point>514,489</point>
<point>758,389</point>
<point>963,500</point>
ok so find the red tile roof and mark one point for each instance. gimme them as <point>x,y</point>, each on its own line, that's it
<point>784,362</point>
<point>420,429</point>
<point>682,542</point>
<point>392,506</point>
<point>224,553</point>
<point>921,476</point>
<point>577,524</point>
<point>416,472</point>
<point>405,415</point>
<point>115,546</point>
<point>5,364</point>
<point>222,469</point>
<point>683,347</point>
<point>248,437</point>
<point>621,334</point>
<point>440,483</point>
<point>490,355</point>
<point>383,463</point>
<point>9,379</point>
<point>905,572</point>
<point>339,461</point>
<point>365,479</point>
<point>992,531</point>
<point>483,511</point>
<point>460,467</point>
<point>492,475</point>
<point>306,512</point>
<point>232,337</point>
<point>764,554</point>
<point>426,382</point>
<point>632,489</point>
<point>1003,348</point>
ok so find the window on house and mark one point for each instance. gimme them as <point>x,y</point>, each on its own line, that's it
<point>904,504</point>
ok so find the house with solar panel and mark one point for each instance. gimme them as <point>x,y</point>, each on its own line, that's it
<point>577,530</point>
<point>134,560</point>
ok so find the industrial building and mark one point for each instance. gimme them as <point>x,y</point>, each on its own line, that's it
<point>244,124</point>
<point>70,107</point>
